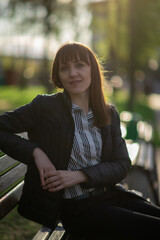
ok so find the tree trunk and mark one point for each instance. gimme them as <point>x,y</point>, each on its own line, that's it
<point>132,51</point>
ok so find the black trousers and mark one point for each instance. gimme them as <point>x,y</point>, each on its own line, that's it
<point>116,215</point>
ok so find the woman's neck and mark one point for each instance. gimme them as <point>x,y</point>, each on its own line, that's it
<point>82,101</point>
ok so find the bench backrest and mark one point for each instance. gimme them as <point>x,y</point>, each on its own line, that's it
<point>11,182</point>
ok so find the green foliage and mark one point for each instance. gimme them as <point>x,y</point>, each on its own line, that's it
<point>44,17</point>
<point>120,98</point>
<point>141,107</point>
<point>156,139</point>
<point>38,13</point>
<point>112,23</point>
<point>145,18</point>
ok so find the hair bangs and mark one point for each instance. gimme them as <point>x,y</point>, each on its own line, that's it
<point>73,52</point>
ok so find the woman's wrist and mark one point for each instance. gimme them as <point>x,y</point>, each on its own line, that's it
<point>82,177</point>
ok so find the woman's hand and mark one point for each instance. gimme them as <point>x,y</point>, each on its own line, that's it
<point>58,180</point>
<point>43,164</point>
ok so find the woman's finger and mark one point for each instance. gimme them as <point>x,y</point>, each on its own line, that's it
<point>49,173</point>
<point>42,177</point>
<point>53,185</point>
<point>51,179</point>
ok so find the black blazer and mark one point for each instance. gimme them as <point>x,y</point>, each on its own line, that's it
<point>50,126</point>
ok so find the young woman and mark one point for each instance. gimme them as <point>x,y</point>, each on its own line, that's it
<point>76,156</point>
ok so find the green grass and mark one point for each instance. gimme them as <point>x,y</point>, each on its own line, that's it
<point>12,96</point>
<point>15,227</point>
<point>1,154</point>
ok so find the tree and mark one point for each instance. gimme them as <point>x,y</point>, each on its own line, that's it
<point>41,17</point>
<point>127,33</point>
<point>143,37</point>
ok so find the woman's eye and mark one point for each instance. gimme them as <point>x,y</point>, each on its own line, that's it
<point>79,65</point>
<point>63,68</point>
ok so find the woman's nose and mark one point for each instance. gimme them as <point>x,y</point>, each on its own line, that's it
<point>72,71</point>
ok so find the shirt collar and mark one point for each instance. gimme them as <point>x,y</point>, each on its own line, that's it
<point>76,108</point>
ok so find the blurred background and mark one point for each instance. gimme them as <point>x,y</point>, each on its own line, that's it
<point>124,34</point>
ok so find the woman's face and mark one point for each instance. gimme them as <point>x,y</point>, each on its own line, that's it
<point>75,77</point>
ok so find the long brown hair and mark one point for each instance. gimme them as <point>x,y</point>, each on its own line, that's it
<point>74,50</point>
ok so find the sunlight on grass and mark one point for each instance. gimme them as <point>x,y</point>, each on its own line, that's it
<point>5,104</point>
<point>12,96</point>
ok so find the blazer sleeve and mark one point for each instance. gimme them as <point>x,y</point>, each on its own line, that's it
<point>22,119</point>
<point>112,171</point>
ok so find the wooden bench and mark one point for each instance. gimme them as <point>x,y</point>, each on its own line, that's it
<point>144,175</point>
<point>11,183</point>
<point>12,179</point>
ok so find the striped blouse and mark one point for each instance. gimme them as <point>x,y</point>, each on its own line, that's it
<point>87,147</point>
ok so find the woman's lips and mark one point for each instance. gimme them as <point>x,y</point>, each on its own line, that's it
<point>75,82</point>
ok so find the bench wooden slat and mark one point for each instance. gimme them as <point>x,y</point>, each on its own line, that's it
<point>6,163</point>
<point>146,156</point>
<point>58,232</point>
<point>46,233</point>
<point>133,150</point>
<point>9,201</point>
<point>142,154</point>
<point>11,178</point>
<point>149,162</point>
<point>43,234</point>
<point>57,235</point>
